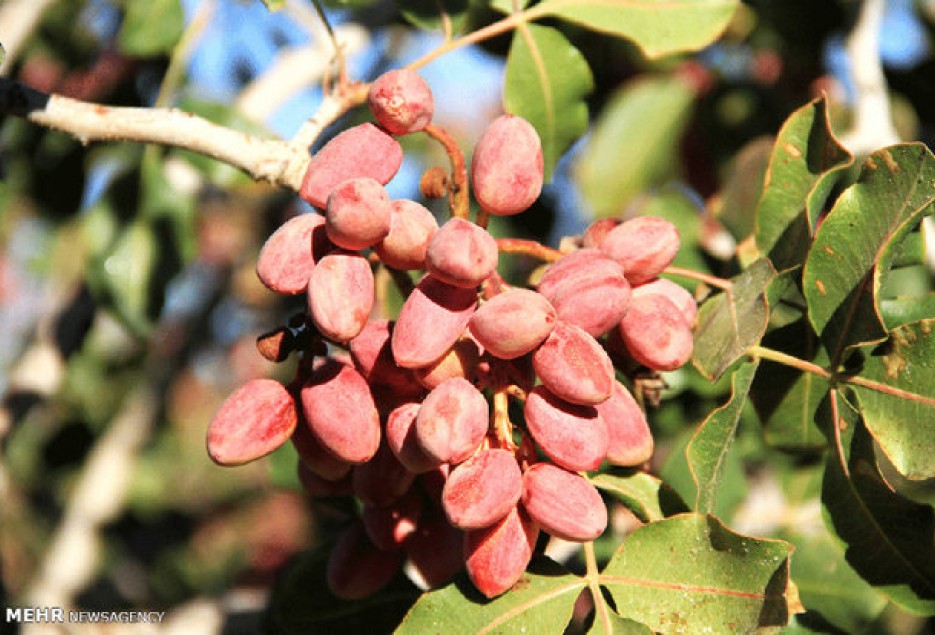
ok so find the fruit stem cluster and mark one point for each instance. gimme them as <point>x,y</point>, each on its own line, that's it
<point>458,191</point>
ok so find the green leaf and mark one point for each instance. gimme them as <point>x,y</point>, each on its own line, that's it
<point>888,539</point>
<point>426,14</point>
<point>829,589</point>
<point>151,27</point>
<point>547,79</point>
<point>159,200</point>
<point>856,244</point>
<point>785,398</point>
<point>744,187</point>
<point>677,473</point>
<point>805,164</point>
<point>541,602</point>
<point>690,574</point>
<point>649,498</point>
<point>634,144</point>
<point>128,270</point>
<point>274,5</point>
<point>911,251</point>
<point>731,322</point>
<point>708,449</point>
<point>657,28</point>
<point>903,426</point>
<point>302,603</point>
<point>899,311</point>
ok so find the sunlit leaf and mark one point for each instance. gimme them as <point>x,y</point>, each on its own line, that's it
<point>633,145</point>
<point>903,426</point>
<point>547,79</point>
<point>888,539</point>
<point>856,244</point>
<point>898,311</point>
<point>805,164</point>
<point>731,322</point>
<point>541,602</point>
<point>658,28</point>
<point>274,5</point>
<point>690,574</point>
<point>707,451</point>
<point>645,495</point>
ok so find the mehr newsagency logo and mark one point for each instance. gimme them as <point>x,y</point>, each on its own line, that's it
<point>58,615</point>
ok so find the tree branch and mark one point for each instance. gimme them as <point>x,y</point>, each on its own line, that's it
<point>275,161</point>
<point>279,162</point>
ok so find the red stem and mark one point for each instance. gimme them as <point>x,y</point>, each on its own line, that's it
<point>459,201</point>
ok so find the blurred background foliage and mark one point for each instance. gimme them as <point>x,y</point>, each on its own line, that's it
<point>129,304</point>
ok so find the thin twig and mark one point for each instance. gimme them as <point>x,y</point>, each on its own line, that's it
<point>713,281</point>
<point>528,248</point>
<point>338,52</point>
<point>837,378</point>
<point>491,30</point>
<point>863,382</point>
<point>789,360</point>
<point>295,69</point>
<point>593,576</point>
<point>332,108</point>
